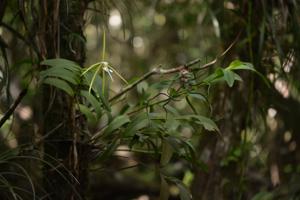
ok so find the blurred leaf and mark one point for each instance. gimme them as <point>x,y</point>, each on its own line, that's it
<point>166,153</point>
<point>118,122</point>
<point>197,96</point>
<point>140,122</point>
<point>171,124</point>
<point>263,196</point>
<point>214,77</point>
<point>237,77</point>
<point>109,149</point>
<point>183,192</point>
<point>93,101</point>
<point>207,123</point>
<point>164,189</point>
<point>171,109</point>
<point>188,178</point>
<point>142,87</point>
<point>162,84</point>
<point>88,114</point>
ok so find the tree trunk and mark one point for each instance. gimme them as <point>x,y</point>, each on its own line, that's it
<point>61,35</point>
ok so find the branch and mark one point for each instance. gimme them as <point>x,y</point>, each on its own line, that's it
<point>155,71</point>
<point>12,108</point>
<point>158,71</point>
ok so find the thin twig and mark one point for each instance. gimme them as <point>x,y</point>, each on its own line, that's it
<point>159,71</point>
<point>12,108</point>
<point>155,71</point>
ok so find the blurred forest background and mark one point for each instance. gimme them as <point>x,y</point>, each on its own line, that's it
<point>45,148</point>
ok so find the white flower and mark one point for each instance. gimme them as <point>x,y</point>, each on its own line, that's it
<point>108,70</point>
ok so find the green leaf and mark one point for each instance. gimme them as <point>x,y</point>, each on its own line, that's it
<point>198,96</point>
<point>237,64</point>
<point>97,84</point>
<point>157,116</point>
<point>159,85</point>
<point>171,109</point>
<point>207,123</point>
<point>64,63</point>
<point>109,149</point>
<point>67,75</point>
<point>142,87</point>
<point>88,114</point>
<point>183,191</point>
<point>96,87</point>
<point>59,84</point>
<point>229,77</point>
<point>237,77</point>
<point>264,196</point>
<point>93,101</point>
<point>166,153</point>
<point>118,122</point>
<point>171,124</point>
<point>214,77</point>
<point>140,122</point>
<point>164,189</point>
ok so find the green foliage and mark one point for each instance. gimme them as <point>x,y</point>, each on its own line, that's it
<point>63,74</point>
<point>152,125</point>
<point>228,73</point>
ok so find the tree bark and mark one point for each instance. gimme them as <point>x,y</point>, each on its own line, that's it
<point>61,35</point>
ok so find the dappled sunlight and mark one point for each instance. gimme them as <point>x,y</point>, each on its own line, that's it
<point>148,100</point>
<point>115,20</point>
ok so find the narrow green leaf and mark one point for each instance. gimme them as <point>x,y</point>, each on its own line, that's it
<point>207,123</point>
<point>183,191</point>
<point>118,122</point>
<point>59,84</point>
<point>164,189</point>
<point>140,122</point>
<point>166,153</point>
<point>264,195</point>
<point>93,101</point>
<point>198,96</point>
<point>88,114</point>
<point>60,62</point>
<point>109,149</point>
<point>96,87</point>
<point>61,73</point>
